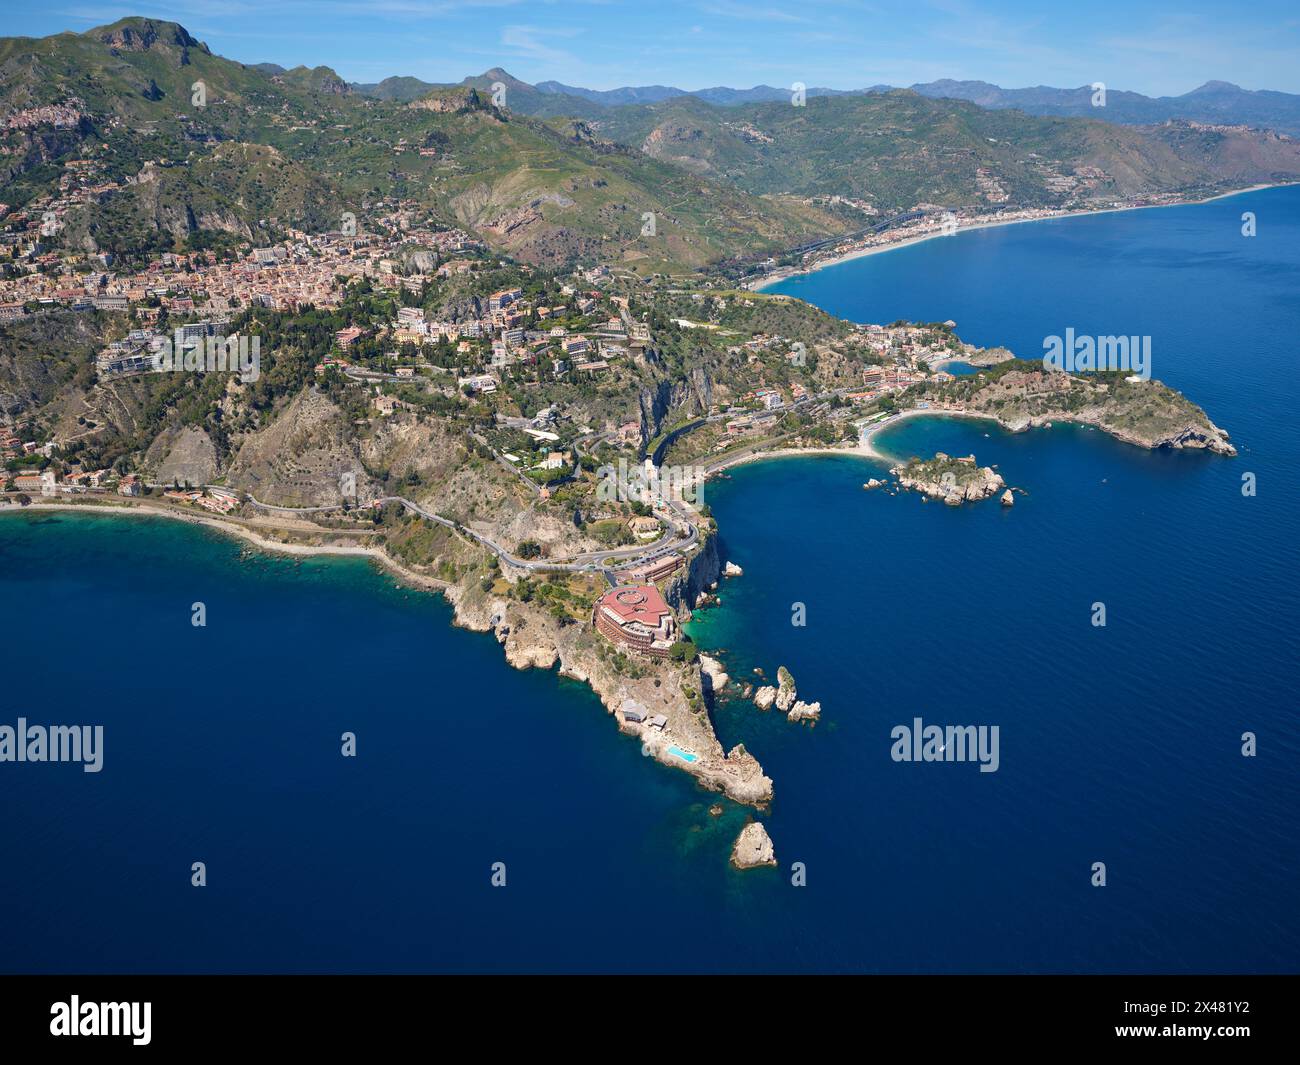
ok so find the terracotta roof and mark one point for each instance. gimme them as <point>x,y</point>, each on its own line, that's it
<point>640,602</point>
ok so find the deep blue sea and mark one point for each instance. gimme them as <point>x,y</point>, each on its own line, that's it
<point>1119,744</point>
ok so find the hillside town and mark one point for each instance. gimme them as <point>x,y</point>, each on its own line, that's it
<point>302,269</point>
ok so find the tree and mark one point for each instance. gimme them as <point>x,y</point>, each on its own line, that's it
<point>682,651</point>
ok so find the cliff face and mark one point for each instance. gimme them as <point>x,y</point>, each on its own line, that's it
<point>702,569</point>
<point>692,395</point>
<point>654,404</point>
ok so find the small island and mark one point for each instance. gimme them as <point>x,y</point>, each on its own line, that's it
<point>753,848</point>
<point>954,480</point>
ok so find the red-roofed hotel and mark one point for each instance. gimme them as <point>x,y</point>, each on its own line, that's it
<point>638,617</point>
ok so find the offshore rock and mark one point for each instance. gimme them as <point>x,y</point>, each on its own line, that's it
<point>753,848</point>
<point>713,674</point>
<point>786,693</point>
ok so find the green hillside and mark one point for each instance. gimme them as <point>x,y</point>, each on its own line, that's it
<point>545,193</point>
<point>547,177</point>
<point>898,149</point>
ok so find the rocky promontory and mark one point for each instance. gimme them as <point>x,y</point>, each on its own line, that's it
<point>657,701</point>
<point>1021,395</point>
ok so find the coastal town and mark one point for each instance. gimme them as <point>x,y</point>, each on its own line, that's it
<point>581,331</point>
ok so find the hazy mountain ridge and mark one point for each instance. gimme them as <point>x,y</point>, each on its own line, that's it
<point>1213,102</point>
<point>900,149</point>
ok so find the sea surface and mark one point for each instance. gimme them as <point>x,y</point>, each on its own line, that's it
<point>1119,744</point>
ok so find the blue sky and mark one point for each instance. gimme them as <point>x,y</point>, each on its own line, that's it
<point>1159,48</point>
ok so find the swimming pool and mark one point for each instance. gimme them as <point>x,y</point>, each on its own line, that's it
<point>685,756</point>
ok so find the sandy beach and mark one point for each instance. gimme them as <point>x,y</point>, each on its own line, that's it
<point>864,449</point>
<point>880,249</point>
<point>790,453</point>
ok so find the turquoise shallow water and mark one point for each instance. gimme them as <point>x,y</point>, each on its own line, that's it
<point>1119,745</point>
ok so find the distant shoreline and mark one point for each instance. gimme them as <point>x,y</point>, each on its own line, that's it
<point>262,543</point>
<point>880,249</point>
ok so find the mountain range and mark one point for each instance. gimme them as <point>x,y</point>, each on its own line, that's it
<point>1214,102</point>
<point>549,176</point>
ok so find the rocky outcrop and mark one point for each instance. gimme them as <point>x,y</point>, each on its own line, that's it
<point>732,570</point>
<point>1008,500</point>
<point>785,698</point>
<point>525,651</point>
<point>753,848</point>
<point>141,34</point>
<point>875,482</point>
<point>954,480</point>
<point>712,674</point>
<point>785,695</point>
<point>442,104</point>
<point>742,778</point>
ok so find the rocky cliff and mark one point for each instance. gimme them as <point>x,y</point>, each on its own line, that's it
<point>702,570</point>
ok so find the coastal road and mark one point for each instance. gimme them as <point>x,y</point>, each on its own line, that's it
<point>586,562</point>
